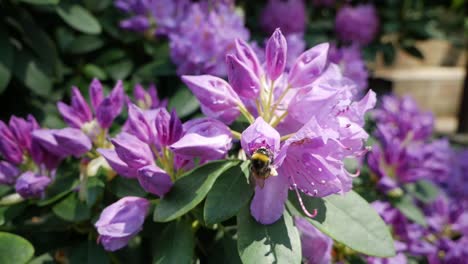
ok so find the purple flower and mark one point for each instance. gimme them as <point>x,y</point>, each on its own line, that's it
<point>404,118</point>
<point>310,161</point>
<point>216,96</point>
<point>289,15</point>
<point>313,111</point>
<point>205,138</point>
<point>204,37</point>
<point>352,64</point>
<point>154,180</point>
<point>79,115</point>
<point>63,142</point>
<point>8,173</point>
<point>147,99</point>
<point>156,137</point>
<point>31,185</point>
<point>357,24</point>
<point>316,247</point>
<point>15,139</point>
<point>121,221</point>
<point>457,184</point>
<point>157,16</point>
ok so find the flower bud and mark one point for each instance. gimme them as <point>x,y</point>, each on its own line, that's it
<point>276,53</point>
<point>242,78</point>
<point>31,185</point>
<point>121,221</point>
<point>309,66</point>
<point>8,173</point>
<point>118,165</point>
<point>260,134</point>
<point>111,106</point>
<point>132,151</point>
<point>154,180</point>
<point>95,93</point>
<point>216,96</point>
<point>8,146</point>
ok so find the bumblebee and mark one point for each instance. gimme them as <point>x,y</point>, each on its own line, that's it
<point>260,166</point>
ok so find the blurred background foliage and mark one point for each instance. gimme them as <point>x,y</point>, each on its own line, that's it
<point>46,46</point>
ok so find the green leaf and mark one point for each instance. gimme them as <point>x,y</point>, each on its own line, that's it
<point>95,188</point>
<point>350,220</point>
<point>92,70</point>
<point>6,59</point>
<point>184,102</point>
<point>389,53</point>
<point>423,190</point>
<point>175,244</point>
<point>84,44</point>
<point>28,70</point>
<point>122,187</point>
<point>190,190</point>
<point>119,70</point>
<point>14,249</point>
<point>45,258</point>
<point>41,2</point>
<point>72,209</point>
<point>88,252</point>
<point>406,206</point>
<point>275,243</point>
<point>66,180</point>
<point>79,18</point>
<point>163,67</point>
<point>228,195</point>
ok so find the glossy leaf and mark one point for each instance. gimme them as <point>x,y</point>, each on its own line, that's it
<point>14,249</point>
<point>423,190</point>
<point>190,190</point>
<point>6,59</point>
<point>350,220</point>
<point>72,209</point>
<point>79,18</point>
<point>184,102</point>
<point>407,207</point>
<point>175,244</point>
<point>275,243</point>
<point>122,187</point>
<point>31,73</point>
<point>41,2</point>
<point>85,44</point>
<point>228,195</point>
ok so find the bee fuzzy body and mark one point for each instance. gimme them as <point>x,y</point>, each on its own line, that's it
<point>260,166</point>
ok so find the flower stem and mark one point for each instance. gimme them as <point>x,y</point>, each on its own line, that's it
<point>236,134</point>
<point>285,137</point>
<point>246,113</point>
<point>283,94</point>
<point>279,119</point>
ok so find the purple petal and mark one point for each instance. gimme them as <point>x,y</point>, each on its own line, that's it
<point>206,138</point>
<point>168,127</point>
<point>268,202</point>
<point>96,93</point>
<point>243,79</point>
<point>73,141</point>
<point>316,247</point>
<point>117,164</point>
<point>8,173</point>
<point>80,106</point>
<point>111,106</point>
<point>135,153</point>
<point>248,57</point>
<point>30,185</point>
<point>8,146</point>
<point>216,96</point>
<point>154,180</point>
<point>121,221</point>
<point>22,129</point>
<point>309,66</point>
<point>138,124</point>
<point>275,55</point>
<point>260,134</point>
<point>69,115</point>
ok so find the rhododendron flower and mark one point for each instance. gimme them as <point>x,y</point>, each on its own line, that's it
<point>316,247</point>
<point>310,161</point>
<point>205,36</point>
<point>15,138</point>
<point>351,63</point>
<point>121,221</point>
<point>357,24</point>
<point>304,119</point>
<point>8,173</point>
<point>289,15</point>
<point>31,185</point>
<point>156,147</point>
<point>153,16</point>
<point>79,114</point>
<point>147,99</point>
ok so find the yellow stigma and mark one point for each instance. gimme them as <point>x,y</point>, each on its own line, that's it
<point>260,156</point>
